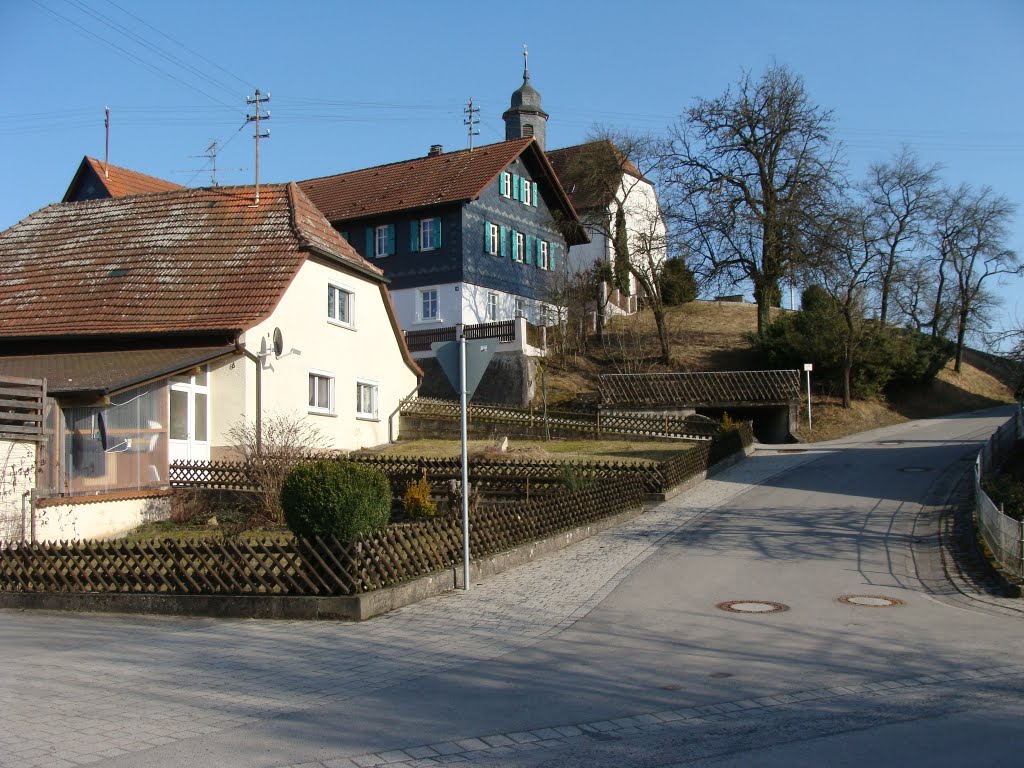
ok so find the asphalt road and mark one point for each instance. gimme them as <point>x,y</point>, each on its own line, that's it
<point>613,652</point>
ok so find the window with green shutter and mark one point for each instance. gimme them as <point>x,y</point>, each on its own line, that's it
<point>414,236</point>
<point>504,241</point>
<point>534,201</point>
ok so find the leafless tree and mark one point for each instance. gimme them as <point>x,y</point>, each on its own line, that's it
<point>971,230</point>
<point>749,178</point>
<point>900,197</point>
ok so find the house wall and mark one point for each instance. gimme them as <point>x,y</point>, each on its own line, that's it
<point>17,477</point>
<point>368,351</point>
<point>463,303</point>
<point>98,519</point>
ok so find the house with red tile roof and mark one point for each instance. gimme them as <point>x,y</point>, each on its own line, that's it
<point>472,236</point>
<point>159,321</point>
<point>95,180</point>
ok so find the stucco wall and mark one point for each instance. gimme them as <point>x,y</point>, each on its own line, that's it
<point>367,351</point>
<point>98,519</point>
<point>17,476</point>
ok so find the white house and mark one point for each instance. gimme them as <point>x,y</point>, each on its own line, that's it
<point>159,321</point>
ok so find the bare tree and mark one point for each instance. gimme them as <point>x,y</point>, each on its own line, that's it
<point>618,204</point>
<point>971,232</point>
<point>900,195</point>
<point>750,176</point>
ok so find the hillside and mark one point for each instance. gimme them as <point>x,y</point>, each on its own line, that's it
<point>711,336</point>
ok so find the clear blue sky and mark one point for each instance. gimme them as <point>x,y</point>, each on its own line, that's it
<point>356,84</point>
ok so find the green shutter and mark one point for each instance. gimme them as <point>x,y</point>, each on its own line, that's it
<point>487,237</point>
<point>528,250</point>
<point>518,187</point>
<point>534,194</point>
<point>414,236</point>
<point>551,256</point>
<point>504,241</point>
<point>536,256</point>
<point>370,239</point>
<point>437,232</point>
<point>390,249</point>
<point>513,238</point>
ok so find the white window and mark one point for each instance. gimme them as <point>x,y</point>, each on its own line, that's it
<point>493,239</point>
<point>544,254</point>
<point>429,231</point>
<point>519,247</point>
<point>506,184</point>
<point>527,192</point>
<point>339,304</point>
<point>492,307</point>
<point>382,241</point>
<point>520,307</point>
<point>321,392</point>
<point>428,307</point>
<point>366,400</point>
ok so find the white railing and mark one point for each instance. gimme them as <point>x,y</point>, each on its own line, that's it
<point>1002,534</point>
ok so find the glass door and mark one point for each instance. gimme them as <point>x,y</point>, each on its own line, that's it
<point>189,406</point>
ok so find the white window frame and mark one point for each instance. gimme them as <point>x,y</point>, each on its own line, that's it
<point>545,262</point>
<point>527,191</point>
<point>331,392</point>
<point>506,184</point>
<point>492,307</point>
<point>519,247</point>
<point>495,239</point>
<point>427,235</point>
<point>350,295</point>
<point>520,307</point>
<point>420,294</point>
<point>373,414</point>
<point>380,241</point>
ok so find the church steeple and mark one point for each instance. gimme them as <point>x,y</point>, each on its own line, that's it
<point>525,117</point>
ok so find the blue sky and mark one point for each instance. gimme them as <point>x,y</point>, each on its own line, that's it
<point>356,84</point>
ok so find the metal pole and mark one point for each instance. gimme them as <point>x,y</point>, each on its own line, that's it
<point>808,401</point>
<point>465,462</point>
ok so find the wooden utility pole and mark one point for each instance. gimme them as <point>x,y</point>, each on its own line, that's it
<point>258,100</point>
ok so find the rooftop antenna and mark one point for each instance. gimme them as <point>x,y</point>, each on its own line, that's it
<point>257,100</point>
<point>106,148</point>
<point>211,157</point>
<point>472,121</point>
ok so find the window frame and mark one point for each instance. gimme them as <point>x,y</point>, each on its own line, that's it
<point>520,306</point>
<point>382,238</point>
<point>527,196</point>
<point>519,248</point>
<point>491,310</point>
<point>420,294</point>
<point>374,387</point>
<point>545,249</point>
<point>350,322</point>
<point>495,239</point>
<point>505,187</point>
<point>317,409</point>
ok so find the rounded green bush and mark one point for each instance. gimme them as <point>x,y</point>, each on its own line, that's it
<point>339,498</point>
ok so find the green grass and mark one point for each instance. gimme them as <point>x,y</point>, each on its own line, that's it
<point>566,450</point>
<point>167,529</point>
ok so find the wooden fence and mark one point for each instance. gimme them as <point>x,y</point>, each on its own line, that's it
<point>298,566</point>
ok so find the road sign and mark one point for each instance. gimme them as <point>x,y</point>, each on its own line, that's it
<point>478,356</point>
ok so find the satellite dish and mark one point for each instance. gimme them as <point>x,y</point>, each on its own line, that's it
<point>278,342</point>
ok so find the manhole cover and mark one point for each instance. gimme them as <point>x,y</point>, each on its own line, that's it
<point>890,442</point>
<point>870,601</point>
<point>720,675</point>
<point>915,469</point>
<point>752,606</point>
<point>671,687</point>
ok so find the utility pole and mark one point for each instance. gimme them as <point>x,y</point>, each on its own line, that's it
<point>472,121</point>
<point>106,148</point>
<point>258,100</point>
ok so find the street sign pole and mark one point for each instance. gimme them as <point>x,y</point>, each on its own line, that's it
<point>464,397</point>
<point>808,367</point>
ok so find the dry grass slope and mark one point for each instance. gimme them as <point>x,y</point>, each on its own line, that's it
<point>711,336</point>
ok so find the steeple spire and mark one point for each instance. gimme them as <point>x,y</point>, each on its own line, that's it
<point>525,116</point>
<point>526,62</point>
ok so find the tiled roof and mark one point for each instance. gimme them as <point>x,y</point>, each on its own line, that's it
<point>120,182</point>
<point>109,371</point>
<point>584,194</point>
<point>190,261</point>
<point>424,181</point>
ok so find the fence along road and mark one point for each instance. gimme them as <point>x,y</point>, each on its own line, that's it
<point>610,653</point>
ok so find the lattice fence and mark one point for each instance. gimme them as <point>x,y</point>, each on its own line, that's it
<point>563,422</point>
<point>300,567</point>
<point>703,388</point>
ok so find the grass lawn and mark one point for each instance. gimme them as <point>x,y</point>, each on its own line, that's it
<point>166,529</point>
<point>565,450</point>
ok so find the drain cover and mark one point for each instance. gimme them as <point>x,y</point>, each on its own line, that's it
<point>890,442</point>
<point>915,469</point>
<point>752,606</point>
<point>870,601</point>
<point>720,675</point>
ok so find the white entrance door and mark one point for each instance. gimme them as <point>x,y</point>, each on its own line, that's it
<point>189,438</point>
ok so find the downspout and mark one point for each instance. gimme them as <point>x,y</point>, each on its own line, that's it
<point>259,399</point>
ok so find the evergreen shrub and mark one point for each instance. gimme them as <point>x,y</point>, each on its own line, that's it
<point>339,498</point>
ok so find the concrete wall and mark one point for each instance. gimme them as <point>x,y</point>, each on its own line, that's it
<point>100,519</point>
<point>17,476</point>
<point>510,379</point>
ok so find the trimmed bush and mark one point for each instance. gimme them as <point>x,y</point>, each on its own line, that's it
<point>339,498</point>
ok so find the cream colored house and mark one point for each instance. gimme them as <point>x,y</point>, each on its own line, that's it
<point>159,321</point>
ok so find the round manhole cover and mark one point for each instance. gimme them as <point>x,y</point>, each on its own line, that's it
<point>870,601</point>
<point>752,606</point>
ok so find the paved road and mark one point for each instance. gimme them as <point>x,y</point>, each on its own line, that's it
<point>610,653</point>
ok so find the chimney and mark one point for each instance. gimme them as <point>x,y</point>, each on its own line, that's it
<point>435,150</point>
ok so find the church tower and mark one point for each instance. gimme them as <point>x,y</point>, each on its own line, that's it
<point>525,117</point>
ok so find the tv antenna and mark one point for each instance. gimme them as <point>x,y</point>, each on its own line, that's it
<point>211,157</point>
<point>472,121</point>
